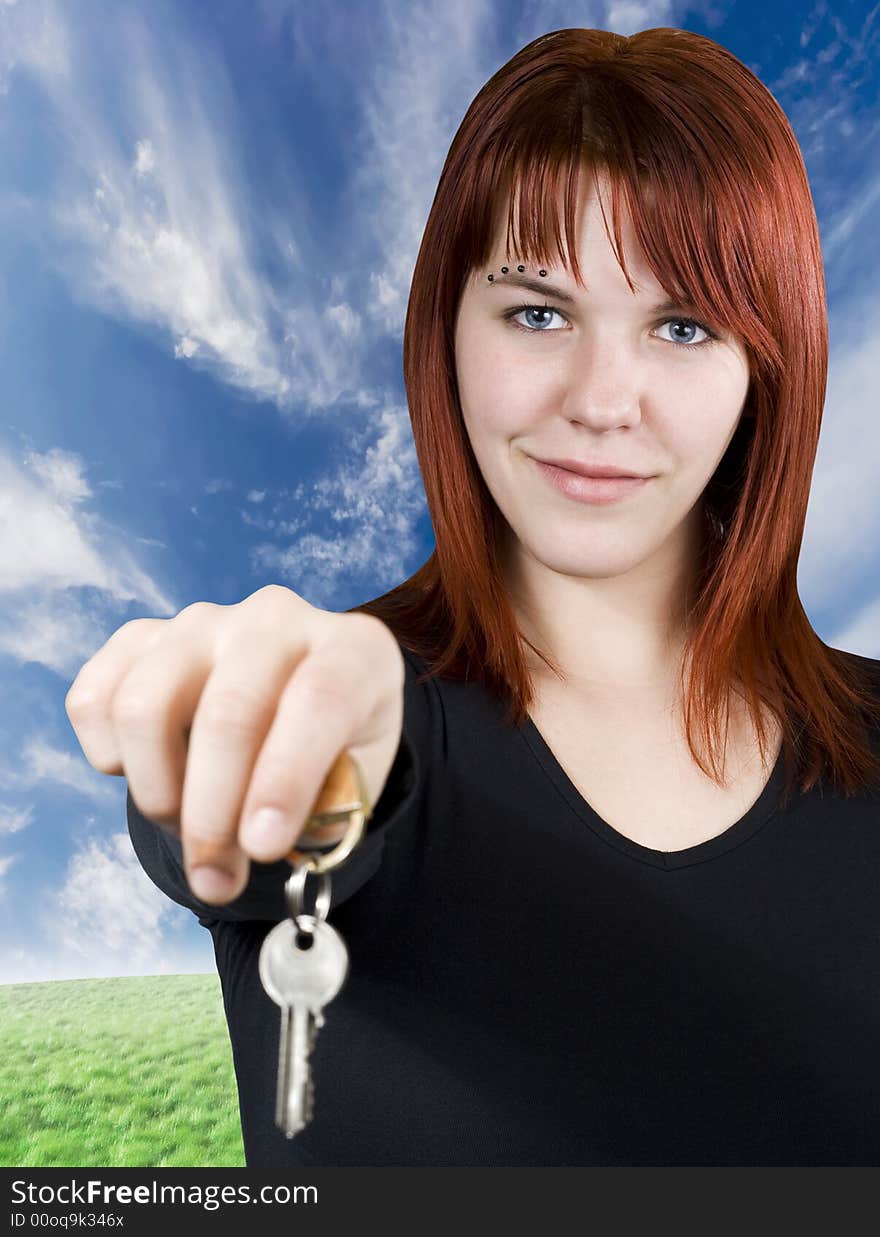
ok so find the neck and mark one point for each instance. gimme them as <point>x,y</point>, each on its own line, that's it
<point>613,638</point>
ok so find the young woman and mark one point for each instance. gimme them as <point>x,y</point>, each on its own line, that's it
<point>618,899</point>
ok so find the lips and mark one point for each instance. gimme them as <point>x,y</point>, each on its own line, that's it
<point>594,470</point>
<point>594,490</point>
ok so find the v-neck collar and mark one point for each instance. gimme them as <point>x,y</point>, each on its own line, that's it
<point>744,828</point>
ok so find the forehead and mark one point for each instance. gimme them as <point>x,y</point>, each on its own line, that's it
<point>592,235</point>
<point>598,268</point>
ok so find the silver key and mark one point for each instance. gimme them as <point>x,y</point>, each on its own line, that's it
<point>302,980</point>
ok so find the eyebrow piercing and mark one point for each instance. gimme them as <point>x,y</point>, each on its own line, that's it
<point>505,269</point>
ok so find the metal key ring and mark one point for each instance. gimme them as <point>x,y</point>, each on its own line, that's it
<point>294,892</point>
<point>344,794</point>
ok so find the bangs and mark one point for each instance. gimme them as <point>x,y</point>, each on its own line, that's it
<point>697,251</point>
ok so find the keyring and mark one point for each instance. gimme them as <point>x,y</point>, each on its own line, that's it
<point>294,892</point>
<point>344,794</point>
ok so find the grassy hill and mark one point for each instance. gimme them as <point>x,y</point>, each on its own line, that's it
<point>117,1073</point>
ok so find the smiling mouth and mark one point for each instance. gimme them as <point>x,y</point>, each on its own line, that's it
<point>597,490</point>
<point>596,470</point>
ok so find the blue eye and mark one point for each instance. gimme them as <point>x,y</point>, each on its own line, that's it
<point>690,322</point>
<point>522,309</point>
<point>688,345</point>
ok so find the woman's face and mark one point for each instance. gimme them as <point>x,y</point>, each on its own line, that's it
<point>602,379</point>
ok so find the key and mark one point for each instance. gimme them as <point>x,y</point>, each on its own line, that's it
<point>303,965</point>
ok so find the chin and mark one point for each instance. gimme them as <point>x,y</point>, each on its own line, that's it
<point>589,561</point>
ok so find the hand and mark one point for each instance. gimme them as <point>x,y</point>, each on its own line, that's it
<point>223,710</point>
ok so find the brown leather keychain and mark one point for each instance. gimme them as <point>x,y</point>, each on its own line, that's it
<point>343,797</point>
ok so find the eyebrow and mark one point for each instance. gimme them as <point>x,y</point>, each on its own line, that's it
<point>549,289</point>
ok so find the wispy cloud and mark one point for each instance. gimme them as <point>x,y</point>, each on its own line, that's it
<point>841,544</point>
<point>375,501</point>
<point>144,219</point>
<point>31,41</point>
<point>114,920</point>
<point>110,919</point>
<point>6,862</point>
<point>822,96</point>
<point>38,763</point>
<point>151,220</point>
<point>429,60</point>
<point>53,545</point>
<point>12,820</point>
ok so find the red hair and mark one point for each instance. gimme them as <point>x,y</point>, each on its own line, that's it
<point>714,181</point>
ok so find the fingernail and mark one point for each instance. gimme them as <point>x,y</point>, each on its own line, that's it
<point>266,830</point>
<point>211,884</point>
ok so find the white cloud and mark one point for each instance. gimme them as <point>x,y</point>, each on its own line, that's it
<point>31,41</point>
<point>50,546</point>
<point>43,542</point>
<point>62,473</point>
<point>40,539</point>
<point>13,821</point>
<point>107,919</point>
<point>6,862</point>
<point>151,216</point>
<point>114,921</point>
<point>38,762</point>
<point>860,207</point>
<point>628,16</point>
<point>376,496</point>
<point>841,543</point>
<point>429,60</point>
<point>55,631</point>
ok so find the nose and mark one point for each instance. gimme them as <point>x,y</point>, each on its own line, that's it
<point>602,384</point>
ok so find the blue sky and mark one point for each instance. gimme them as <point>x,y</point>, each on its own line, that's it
<point>209,217</point>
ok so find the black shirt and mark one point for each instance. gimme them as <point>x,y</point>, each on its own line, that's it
<point>527,986</point>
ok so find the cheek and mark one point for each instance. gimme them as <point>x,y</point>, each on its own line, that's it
<point>701,423</point>
<point>502,396</point>
<point>495,404</point>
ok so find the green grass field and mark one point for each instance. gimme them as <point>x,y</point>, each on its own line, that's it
<point>117,1073</point>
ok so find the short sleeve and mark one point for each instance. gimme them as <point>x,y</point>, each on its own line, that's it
<point>160,852</point>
